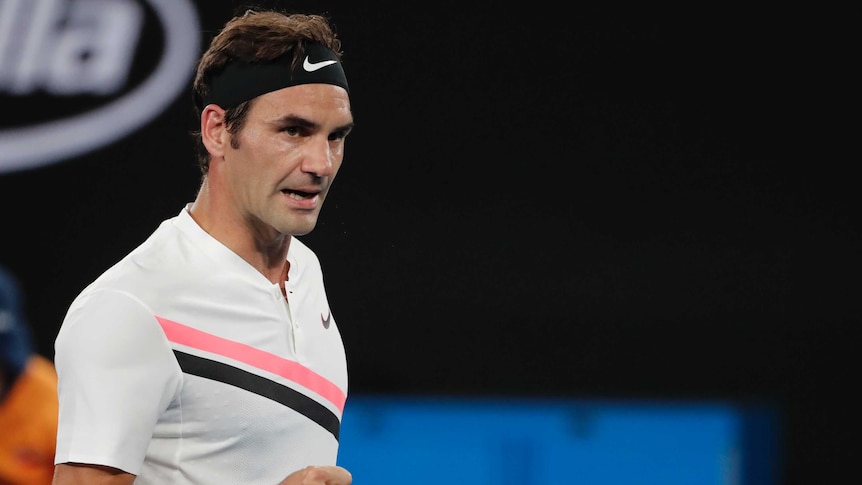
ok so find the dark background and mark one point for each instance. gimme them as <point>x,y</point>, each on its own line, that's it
<point>538,200</point>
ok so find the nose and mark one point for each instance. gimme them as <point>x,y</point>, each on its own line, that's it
<point>318,158</point>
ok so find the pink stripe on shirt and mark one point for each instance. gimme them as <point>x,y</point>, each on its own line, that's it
<point>191,337</point>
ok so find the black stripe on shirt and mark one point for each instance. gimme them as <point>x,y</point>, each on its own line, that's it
<point>217,371</point>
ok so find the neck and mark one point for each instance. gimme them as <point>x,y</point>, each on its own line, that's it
<point>264,249</point>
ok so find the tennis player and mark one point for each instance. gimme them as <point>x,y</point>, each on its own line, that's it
<point>210,354</point>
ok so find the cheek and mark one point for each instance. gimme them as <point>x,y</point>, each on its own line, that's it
<point>258,149</point>
<point>336,165</point>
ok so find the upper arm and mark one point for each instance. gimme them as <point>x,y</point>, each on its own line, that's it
<point>77,473</point>
<point>116,376</point>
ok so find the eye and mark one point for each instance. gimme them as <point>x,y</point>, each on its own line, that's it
<point>339,135</point>
<point>291,130</point>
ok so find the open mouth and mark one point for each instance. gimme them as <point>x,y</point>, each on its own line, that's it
<point>298,194</point>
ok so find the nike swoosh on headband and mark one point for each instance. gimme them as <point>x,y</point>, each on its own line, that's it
<point>313,66</point>
<point>241,81</point>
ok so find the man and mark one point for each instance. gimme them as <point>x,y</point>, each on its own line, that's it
<point>209,354</point>
<point>28,396</point>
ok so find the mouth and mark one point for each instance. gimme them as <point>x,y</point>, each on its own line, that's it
<point>299,195</point>
<point>301,199</point>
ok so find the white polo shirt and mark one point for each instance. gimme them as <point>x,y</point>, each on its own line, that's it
<point>182,364</point>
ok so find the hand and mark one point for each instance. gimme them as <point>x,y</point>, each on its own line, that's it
<point>319,475</point>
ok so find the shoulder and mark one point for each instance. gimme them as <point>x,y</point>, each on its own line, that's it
<point>33,395</point>
<point>42,372</point>
<point>38,383</point>
<point>156,267</point>
<point>107,317</point>
<point>32,405</point>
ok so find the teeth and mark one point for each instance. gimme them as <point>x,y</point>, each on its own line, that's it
<point>297,196</point>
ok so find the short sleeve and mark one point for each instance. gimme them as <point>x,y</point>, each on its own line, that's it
<point>117,375</point>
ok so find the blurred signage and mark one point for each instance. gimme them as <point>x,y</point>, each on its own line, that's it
<point>76,75</point>
<point>532,441</point>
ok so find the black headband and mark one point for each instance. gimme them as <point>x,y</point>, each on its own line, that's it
<point>242,81</point>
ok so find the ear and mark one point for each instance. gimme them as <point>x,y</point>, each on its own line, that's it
<point>213,131</point>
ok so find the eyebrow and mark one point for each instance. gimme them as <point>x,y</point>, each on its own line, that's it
<point>308,124</point>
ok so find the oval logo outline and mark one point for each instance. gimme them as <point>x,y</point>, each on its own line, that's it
<point>59,140</point>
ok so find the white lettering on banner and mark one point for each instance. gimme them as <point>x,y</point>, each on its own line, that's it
<point>87,47</point>
<point>90,54</point>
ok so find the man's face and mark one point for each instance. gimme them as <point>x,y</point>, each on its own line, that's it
<point>284,159</point>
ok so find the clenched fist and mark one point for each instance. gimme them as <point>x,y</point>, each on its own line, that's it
<point>319,475</point>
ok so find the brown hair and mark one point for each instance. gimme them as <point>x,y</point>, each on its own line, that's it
<point>255,35</point>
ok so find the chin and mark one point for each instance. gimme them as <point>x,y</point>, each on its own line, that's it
<point>300,229</point>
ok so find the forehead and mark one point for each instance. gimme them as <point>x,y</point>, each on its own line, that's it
<point>319,102</point>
